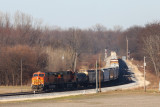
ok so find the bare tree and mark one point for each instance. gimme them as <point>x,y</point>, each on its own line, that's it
<point>152,48</point>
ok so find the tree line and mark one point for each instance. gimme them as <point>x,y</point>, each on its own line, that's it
<point>39,47</point>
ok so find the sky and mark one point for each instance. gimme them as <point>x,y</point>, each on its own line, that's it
<point>87,13</point>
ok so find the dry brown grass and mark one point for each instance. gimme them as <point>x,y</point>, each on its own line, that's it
<point>150,76</point>
<point>14,89</point>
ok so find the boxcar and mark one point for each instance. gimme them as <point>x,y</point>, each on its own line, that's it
<point>106,74</point>
<point>92,76</point>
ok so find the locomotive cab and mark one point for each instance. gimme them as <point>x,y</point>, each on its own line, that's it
<point>38,80</point>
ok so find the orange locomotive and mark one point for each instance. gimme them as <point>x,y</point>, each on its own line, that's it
<point>38,80</point>
<point>53,80</point>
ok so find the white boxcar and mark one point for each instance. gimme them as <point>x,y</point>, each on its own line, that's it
<point>114,63</point>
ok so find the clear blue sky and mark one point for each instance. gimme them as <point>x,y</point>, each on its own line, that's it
<point>86,13</point>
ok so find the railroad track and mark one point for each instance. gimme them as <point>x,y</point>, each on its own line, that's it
<point>106,84</point>
<point>124,78</point>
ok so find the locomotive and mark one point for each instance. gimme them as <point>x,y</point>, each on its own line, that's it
<point>53,80</point>
<point>68,79</point>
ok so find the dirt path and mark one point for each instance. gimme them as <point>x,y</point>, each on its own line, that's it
<point>138,75</point>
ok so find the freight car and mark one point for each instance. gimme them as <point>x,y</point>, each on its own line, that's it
<point>82,79</point>
<point>110,73</point>
<point>92,76</point>
<point>106,74</point>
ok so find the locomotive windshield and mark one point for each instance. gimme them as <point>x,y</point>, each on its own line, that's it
<point>41,75</point>
<point>35,75</point>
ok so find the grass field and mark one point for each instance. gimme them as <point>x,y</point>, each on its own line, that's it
<point>127,98</point>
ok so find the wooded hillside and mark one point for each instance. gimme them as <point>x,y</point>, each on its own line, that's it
<point>40,47</point>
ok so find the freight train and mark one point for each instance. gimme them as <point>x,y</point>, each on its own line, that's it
<point>68,79</point>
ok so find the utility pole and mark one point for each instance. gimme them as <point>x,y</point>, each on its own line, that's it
<point>75,62</point>
<point>105,53</point>
<point>21,75</point>
<point>96,79</point>
<point>99,73</point>
<point>127,48</point>
<point>144,74</point>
